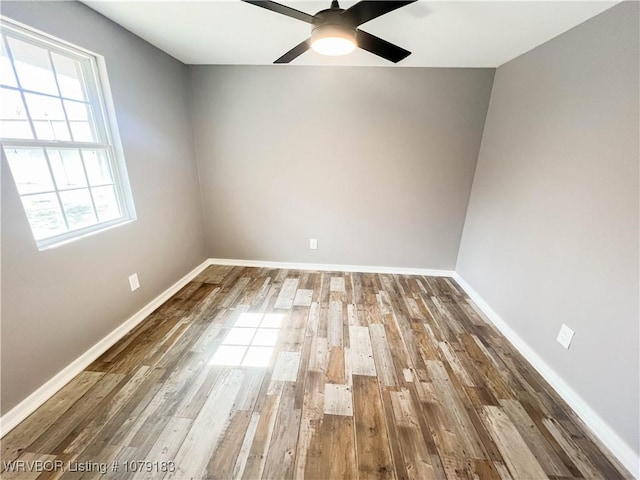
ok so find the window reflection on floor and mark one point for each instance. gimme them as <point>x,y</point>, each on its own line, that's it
<point>251,341</point>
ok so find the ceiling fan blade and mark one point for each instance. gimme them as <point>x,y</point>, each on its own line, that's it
<point>381,47</point>
<point>367,10</point>
<point>295,52</point>
<point>282,9</point>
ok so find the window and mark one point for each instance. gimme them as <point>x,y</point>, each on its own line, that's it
<point>58,139</point>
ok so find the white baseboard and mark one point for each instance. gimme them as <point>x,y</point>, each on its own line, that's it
<point>331,267</point>
<point>25,408</point>
<point>618,447</point>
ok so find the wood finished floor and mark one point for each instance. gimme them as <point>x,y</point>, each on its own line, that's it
<point>368,376</point>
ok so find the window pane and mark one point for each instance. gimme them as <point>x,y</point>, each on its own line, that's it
<point>106,203</point>
<point>13,121</point>
<point>97,165</point>
<point>29,169</point>
<point>80,121</point>
<point>45,217</point>
<point>33,67</point>
<point>47,116</point>
<point>70,79</point>
<point>7,77</point>
<point>67,168</point>
<point>78,208</point>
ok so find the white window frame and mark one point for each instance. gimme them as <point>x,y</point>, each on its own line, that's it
<point>99,98</point>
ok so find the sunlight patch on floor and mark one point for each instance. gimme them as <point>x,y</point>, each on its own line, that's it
<point>251,341</point>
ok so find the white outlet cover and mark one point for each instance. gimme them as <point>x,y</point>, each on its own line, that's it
<point>313,243</point>
<point>134,283</point>
<point>565,336</point>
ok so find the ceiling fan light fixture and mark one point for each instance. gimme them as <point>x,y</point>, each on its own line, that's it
<point>334,30</point>
<point>334,40</point>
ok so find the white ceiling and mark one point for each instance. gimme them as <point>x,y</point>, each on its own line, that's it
<point>439,34</point>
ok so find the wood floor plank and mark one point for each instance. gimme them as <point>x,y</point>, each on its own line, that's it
<point>319,355</point>
<point>193,456</point>
<point>400,467</point>
<point>224,458</point>
<point>293,336</point>
<point>314,318</point>
<point>280,461</point>
<point>253,380</point>
<point>166,446</point>
<point>287,294</point>
<point>455,364</point>
<point>382,356</point>
<point>16,441</point>
<point>550,462</point>
<point>312,412</point>
<point>587,442</point>
<point>362,362</point>
<point>286,367</point>
<point>335,328</point>
<point>332,453</point>
<point>361,375</point>
<point>519,459</point>
<point>303,297</point>
<point>372,441</point>
<point>455,410</point>
<point>57,435</point>
<point>245,448</point>
<point>338,400</point>
<point>336,366</point>
<point>586,467</point>
<point>337,284</point>
<point>116,403</point>
<point>196,392</point>
<point>231,295</point>
<point>414,452</point>
<point>302,447</point>
<point>254,465</point>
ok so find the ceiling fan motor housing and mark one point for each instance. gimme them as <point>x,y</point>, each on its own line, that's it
<point>331,23</point>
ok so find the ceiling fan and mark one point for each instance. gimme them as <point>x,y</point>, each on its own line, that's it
<point>335,30</point>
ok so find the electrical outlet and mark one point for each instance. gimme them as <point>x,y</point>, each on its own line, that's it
<point>134,283</point>
<point>565,336</point>
<point>313,244</point>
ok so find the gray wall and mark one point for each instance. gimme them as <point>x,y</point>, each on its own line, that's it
<point>375,163</point>
<point>551,234</point>
<point>58,303</point>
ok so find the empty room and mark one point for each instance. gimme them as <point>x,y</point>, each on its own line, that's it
<point>320,240</point>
